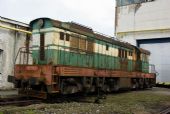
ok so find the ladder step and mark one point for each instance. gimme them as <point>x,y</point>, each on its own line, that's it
<point>54,83</point>
<point>54,91</point>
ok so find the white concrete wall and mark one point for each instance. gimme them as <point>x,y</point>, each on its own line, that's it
<point>149,20</point>
<point>143,21</point>
<point>10,42</point>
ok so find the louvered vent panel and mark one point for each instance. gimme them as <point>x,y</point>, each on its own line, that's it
<point>82,43</point>
<point>74,42</point>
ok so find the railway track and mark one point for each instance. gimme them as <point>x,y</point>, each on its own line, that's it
<point>165,111</point>
<point>19,101</point>
<point>24,101</point>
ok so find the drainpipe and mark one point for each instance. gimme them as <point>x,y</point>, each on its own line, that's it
<point>27,47</point>
<point>116,18</point>
<point>15,41</point>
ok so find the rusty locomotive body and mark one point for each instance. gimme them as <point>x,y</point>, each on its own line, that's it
<point>67,58</point>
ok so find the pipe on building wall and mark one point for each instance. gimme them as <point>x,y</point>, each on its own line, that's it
<point>116,19</point>
<point>15,29</point>
<point>146,30</point>
<point>15,41</point>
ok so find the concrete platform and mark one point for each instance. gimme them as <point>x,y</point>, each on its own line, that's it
<point>8,93</point>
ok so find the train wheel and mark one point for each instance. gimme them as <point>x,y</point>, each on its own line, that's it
<point>99,81</point>
<point>146,83</point>
<point>87,82</point>
<point>134,85</point>
<point>141,83</point>
<point>70,85</point>
<point>114,84</point>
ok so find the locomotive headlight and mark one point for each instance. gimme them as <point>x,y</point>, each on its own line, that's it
<point>40,23</point>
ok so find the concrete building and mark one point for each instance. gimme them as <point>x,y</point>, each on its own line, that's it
<point>146,23</point>
<point>13,35</point>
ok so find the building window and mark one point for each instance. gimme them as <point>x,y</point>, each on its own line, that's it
<point>61,36</point>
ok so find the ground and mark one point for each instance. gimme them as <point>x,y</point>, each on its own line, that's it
<point>149,101</point>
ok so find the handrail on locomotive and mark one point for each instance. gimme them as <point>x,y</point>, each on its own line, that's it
<point>27,59</point>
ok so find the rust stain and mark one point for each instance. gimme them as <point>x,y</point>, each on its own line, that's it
<point>76,71</point>
<point>36,71</point>
<point>46,72</point>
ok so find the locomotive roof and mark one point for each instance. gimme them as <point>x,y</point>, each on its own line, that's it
<point>144,51</point>
<point>78,28</point>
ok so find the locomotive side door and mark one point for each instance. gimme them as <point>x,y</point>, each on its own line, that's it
<point>123,59</point>
<point>138,60</point>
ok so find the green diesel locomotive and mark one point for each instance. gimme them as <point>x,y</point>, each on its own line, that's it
<point>67,57</point>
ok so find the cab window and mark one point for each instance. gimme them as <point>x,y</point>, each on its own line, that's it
<point>61,36</point>
<point>67,37</point>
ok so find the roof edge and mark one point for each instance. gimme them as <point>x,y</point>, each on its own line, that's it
<point>11,21</point>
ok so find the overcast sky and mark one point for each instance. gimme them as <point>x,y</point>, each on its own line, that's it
<point>98,14</point>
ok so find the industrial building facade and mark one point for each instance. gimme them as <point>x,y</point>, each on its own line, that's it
<point>12,37</point>
<point>146,23</point>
